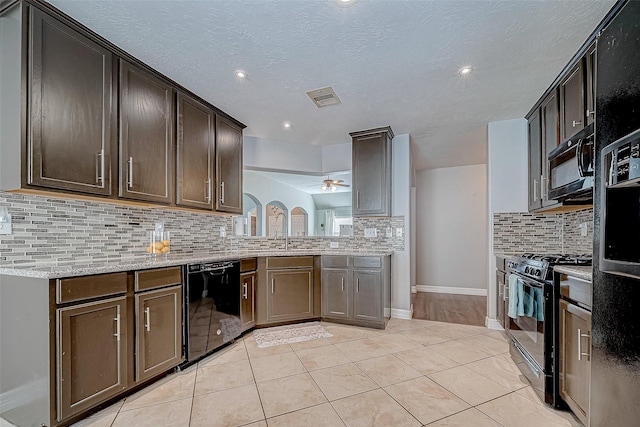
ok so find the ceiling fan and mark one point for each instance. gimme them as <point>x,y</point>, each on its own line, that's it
<point>332,185</point>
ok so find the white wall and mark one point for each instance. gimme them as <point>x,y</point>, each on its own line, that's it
<point>452,229</point>
<point>336,157</point>
<point>268,154</point>
<point>507,187</point>
<point>401,206</point>
<point>267,190</point>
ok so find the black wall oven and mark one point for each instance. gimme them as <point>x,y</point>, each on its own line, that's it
<point>211,308</point>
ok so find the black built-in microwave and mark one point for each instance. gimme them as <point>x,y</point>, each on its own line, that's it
<point>620,230</point>
<point>571,167</point>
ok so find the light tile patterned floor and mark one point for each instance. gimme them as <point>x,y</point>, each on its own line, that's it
<point>415,373</point>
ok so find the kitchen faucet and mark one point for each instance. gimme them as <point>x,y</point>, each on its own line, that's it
<point>284,226</point>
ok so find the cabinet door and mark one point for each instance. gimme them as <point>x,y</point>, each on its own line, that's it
<point>575,358</point>
<point>590,113</point>
<point>228,166</point>
<point>158,331</point>
<point>550,140</point>
<point>500,281</point>
<point>335,293</point>
<point>91,349</point>
<point>572,102</point>
<point>367,300</point>
<point>195,154</point>
<point>146,136</point>
<point>247,300</point>
<point>371,175</point>
<point>72,111</point>
<point>290,294</point>
<point>535,155</point>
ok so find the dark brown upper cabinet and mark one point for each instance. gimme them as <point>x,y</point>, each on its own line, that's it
<point>146,136</point>
<point>371,152</point>
<point>71,139</point>
<point>572,103</point>
<point>550,139</point>
<point>228,166</point>
<point>195,154</point>
<point>534,129</point>
<point>591,85</point>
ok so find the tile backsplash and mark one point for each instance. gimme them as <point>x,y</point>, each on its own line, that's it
<point>52,229</point>
<point>548,233</point>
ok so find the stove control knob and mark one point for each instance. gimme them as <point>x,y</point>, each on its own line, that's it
<point>538,272</point>
<point>526,270</point>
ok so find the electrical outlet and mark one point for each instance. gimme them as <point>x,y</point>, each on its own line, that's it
<point>334,245</point>
<point>398,232</point>
<point>370,232</point>
<point>223,231</point>
<point>389,232</point>
<point>583,228</point>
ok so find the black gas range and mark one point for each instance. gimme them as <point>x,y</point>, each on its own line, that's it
<point>532,301</point>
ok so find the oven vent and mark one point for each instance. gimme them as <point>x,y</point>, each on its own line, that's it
<point>324,97</point>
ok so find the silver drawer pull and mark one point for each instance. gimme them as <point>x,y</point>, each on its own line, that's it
<point>580,353</point>
<point>576,123</point>
<point>117,334</point>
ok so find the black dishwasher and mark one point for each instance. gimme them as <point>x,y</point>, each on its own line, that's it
<point>211,308</point>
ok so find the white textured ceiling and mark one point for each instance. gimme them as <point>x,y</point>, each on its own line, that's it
<point>391,62</point>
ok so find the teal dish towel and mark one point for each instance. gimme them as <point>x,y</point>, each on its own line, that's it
<point>516,297</point>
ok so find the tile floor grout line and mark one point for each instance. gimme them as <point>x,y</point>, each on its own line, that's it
<point>255,383</point>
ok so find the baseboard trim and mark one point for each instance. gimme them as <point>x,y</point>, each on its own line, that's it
<point>397,313</point>
<point>414,289</point>
<point>493,324</point>
<point>447,290</point>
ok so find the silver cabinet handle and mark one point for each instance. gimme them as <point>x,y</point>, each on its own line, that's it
<point>222,192</point>
<point>580,336</point>
<point>117,334</point>
<point>207,190</point>
<point>147,315</point>
<point>342,283</point>
<point>544,193</point>
<point>272,281</point>
<point>590,113</point>
<point>252,281</point>
<point>130,180</point>
<point>100,168</point>
<point>500,289</point>
<point>535,190</point>
<point>244,290</point>
<point>577,123</point>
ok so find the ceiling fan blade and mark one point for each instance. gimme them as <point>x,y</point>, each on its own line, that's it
<point>341,185</point>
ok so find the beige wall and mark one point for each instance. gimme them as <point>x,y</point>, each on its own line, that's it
<point>451,229</point>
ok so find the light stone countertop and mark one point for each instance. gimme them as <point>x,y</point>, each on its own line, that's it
<point>580,272</point>
<point>53,270</point>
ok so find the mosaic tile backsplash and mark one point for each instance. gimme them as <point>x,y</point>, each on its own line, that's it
<point>51,229</point>
<point>548,233</point>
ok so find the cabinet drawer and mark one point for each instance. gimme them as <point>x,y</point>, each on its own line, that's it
<point>335,261</point>
<point>87,287</point>
<point>367,262</point>
<point>149,279</point>
<point>289,262</point>
<point>248,264</point>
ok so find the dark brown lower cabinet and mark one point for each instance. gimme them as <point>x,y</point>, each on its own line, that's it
<point>575,358</point>
<point>158,331</point>
<point>91,354</point>
<point>247,300</point>
<point>290,294</point>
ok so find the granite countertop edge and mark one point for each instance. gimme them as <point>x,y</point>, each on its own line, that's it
<point>52,270</point>
<point>580,272</point>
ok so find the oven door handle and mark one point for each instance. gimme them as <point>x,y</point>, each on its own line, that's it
<point>527,360</point>
<point>580,154</point>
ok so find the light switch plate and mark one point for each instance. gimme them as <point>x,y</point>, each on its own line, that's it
<point>370,232</point>
<point>5,227</point>
<point>223,231</point>
<point>389,232</point>
<point>334,245</point>
<point>398,232</point>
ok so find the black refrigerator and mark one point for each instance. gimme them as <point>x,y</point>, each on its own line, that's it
<point>615,358</point>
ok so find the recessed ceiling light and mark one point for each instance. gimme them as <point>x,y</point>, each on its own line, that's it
<point>241,74</point>
<point>345,3</point>
<point>465,70</point>
<point>286,125</point>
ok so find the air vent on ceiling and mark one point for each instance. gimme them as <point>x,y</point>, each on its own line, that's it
<point>324,97</point>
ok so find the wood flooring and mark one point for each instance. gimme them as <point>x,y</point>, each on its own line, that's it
<point>451,308</point>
